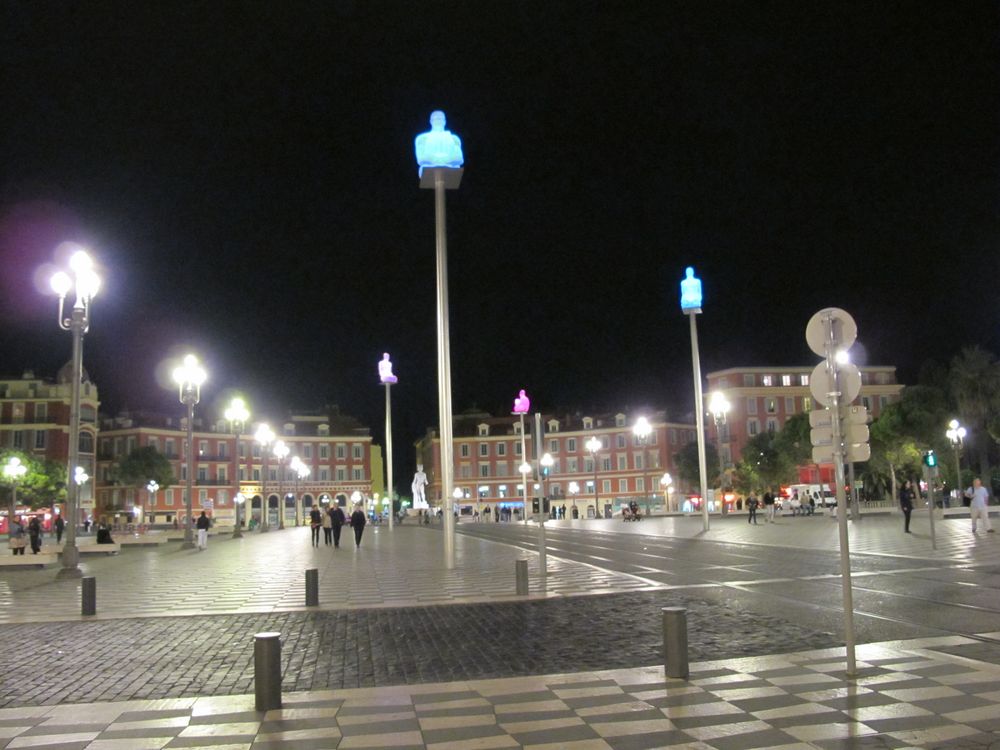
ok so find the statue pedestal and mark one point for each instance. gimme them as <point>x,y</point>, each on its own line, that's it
<point>452,177</point>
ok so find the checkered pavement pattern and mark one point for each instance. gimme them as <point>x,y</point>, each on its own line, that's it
<point>916,693</point>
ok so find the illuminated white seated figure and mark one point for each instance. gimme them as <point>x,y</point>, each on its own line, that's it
<point>522,403</point>
<point>385,370</point>
<point>419,482</point>
<point>690,291</point>
<point>438,147</point>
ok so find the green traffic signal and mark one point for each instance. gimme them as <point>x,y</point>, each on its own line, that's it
<point>930,459</point>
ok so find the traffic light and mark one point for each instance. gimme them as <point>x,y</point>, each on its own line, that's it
<point>930,459</point>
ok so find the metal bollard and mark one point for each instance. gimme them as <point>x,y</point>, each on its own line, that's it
<point>675,641</point>
<point>267,671</point>
<point>521,576</point>
<point>88,598</point>
<point>312,587</point>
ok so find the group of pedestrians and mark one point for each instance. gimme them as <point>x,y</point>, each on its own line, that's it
<point>332,522</point>
<point>979,500</point>
<point>753,504</point>
<point>22,535</point>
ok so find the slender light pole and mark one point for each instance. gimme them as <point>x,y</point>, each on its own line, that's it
<point>387,379</point>
<point>238,501</point>
<point>280,451</point>
<point>301,471</point>
<point>666,481</point>
<point>521,406</point>
<point>642,430</point>
<point>237,415</point>
<point>574,490</point>
<point>85,283</point>
<point>264,436</point>
<point>439,156</point>
<point>13,472</point>
<point>189,377</point>
<point>956,434</point>
<point>691,306</point>
<point>593,445</point>
<point>719,406</point>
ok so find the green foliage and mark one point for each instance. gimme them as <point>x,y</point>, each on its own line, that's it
<point>975,385</point>
<point>686,461</point>
<point>767,461</point>
<point>43,485</point>
<point>141,465</point>
<point>795,440</point>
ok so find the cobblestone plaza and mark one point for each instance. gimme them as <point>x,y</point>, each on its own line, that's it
<point>401,653</point>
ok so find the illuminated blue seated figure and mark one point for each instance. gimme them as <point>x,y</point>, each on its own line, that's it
<point>690,291</point>
<point>438,147</point>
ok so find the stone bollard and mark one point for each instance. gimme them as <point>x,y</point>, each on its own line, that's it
<point>312,587</point>
<point>521,576</point>
<point>88,596</point>
<point>267,671</point>
<point>675,642</point>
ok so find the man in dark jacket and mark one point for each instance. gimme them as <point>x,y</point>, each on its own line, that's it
<point>338,519</point>
<point>906,503</point>
<point>358,521</point>
<point>202,524</point>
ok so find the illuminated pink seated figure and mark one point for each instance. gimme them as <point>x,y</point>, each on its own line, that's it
<point>385,370</point>
<point>522,403</point>
<point>419,482</point>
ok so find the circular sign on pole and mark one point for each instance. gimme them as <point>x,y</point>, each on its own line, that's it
<point>845,330</point>
<point>821,383</point>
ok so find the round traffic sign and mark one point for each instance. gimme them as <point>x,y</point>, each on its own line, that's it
<point>845,330</point>
<point>821,383</point>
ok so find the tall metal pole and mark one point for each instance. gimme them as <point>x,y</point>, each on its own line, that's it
<point>542,558</point>
<point>699,413</point>
<point>281,492</point>
<point>388,454</point>
<point>958,471</point>
<point>188,501</point>
<point>524,476</point>
<point>838,465</point>
<point>597,497</point>
<point>70,552</point>
<point>444,369</point>
<point>265,510</point>
<point>237,531</point>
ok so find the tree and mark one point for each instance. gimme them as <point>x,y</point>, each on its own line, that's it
<point>974,379</point>
<point>44,484</point>
<point>141,465</point>
<point>686,461</point>
<point>767,461</point>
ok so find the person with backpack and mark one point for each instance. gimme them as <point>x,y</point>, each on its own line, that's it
<point>752,507</point>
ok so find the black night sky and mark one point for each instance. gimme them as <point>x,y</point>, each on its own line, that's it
<point>244,173</point>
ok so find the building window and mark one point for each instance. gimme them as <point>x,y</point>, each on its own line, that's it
<point>866,402</point>
<point>772,425</point>
<point>807,403</point>
<point>341,473</point>
<point>341,450</point>
<point>324,474</point>
<point>168,497</point>
<point>202,497</point>
<point>501,469</point>
<point>255,451</point>
<point>168,446</point>
<point>751,405</point>
<point>883,401</point>
<point>256,474</point>
<point>606,486</point>
<point>786,379</point>
<point>803,380</point>
<point>222,496</point>
<point>307,450</point>
<point>723,383</point>
<point>620,441</point>
<point>673,436</point>
<point>606,463</point>
<point>637,458</point>
<point>464,450</point>
<point>220,473</point>
<point>501,449</point>
<point>553,425</point>
<point>571,445</point>
<point>623,485</point>
<point>86,442</point>
<point>356,452</point>
<point>517,449</point>
<point>589,487</point>
<point>517,428</point>
<point>466,471</point>
<point>202,448</point>
<point>588,465</point>
<point>771,405</point>
<point>324,451</point>
<point>789,406</point>
<point>484,470</point>
<point>357,474</point>
<point>484,449</point>
<point>752,427</point>
<point>553,446</point>
<point>222,449</point>
<point>622,462</point>
<point>619,420</point>
<point>588,423</point>
<point>18,439</point>
<point>640,484</point>
<point>748,381</point>
<point>572,465</point>
<point>483,430</point>
<point>323,430</point>
<point>41,412</point>
<point>39,439</point>
<point>202,473</point>
<point>767,380</point>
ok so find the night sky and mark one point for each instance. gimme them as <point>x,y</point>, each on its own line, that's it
<point>244,173</point>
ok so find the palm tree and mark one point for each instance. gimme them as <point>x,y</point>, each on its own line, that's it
<point>975,384</point>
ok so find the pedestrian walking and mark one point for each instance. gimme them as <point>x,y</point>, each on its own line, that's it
<point>906,504</point>
<point>17,540</point>
<point>979,501</point>
<point>337,520</point>
<point>315,523</point>
<point>769,506</point>
<point>752,507</point>
<point>327,529</point>
<point>60,525</point>
<point>202,524</point>
<point>35,534</point>
<point>358,523</point>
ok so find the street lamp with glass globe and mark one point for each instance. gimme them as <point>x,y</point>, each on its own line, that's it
<point>642,430</point>
<point>264,436</point>
<point>546,462</point>
<point>85,283</point>
<point>237,415</point>
<point>593,445</point>
<point>574,490</point>
<point>189,377</point>
<point>956,434</point>
<point>666,482</point>
<point>301,471</point>
<point>281,451</point>
<point>238,501</point>
<point>719,406</point>
<point>13,472</point>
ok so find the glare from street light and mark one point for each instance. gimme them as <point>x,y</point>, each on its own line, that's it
<point>642,428</point>
<point>842,357</point>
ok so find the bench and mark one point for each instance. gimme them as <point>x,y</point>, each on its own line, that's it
<point>28,560</point>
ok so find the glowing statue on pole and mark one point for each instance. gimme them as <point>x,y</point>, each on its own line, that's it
<point>438,147</point>
<point>522,404</point>
<point>690,291</point>
<point>419,482</point>
<point>385,370</point>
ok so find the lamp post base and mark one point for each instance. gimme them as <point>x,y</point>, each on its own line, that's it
<point>71,563</point>
<point>187,544</point>
<point>238,533</point>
